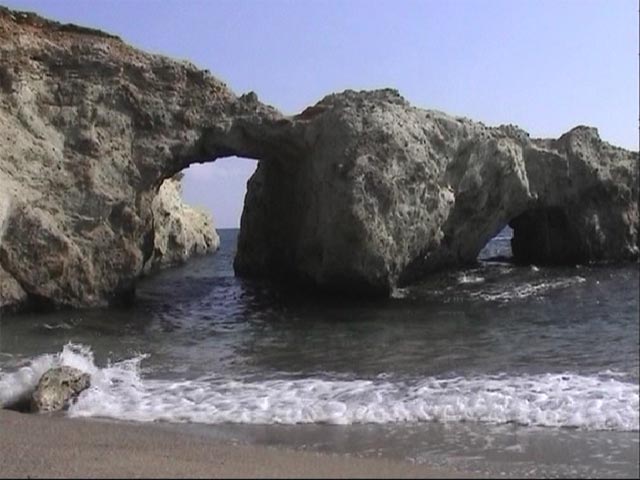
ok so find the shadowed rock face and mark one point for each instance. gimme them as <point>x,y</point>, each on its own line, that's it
<point>359,193</point>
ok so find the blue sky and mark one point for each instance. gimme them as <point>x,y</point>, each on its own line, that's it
<point>545,65</point>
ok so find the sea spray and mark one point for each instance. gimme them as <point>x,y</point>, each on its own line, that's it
<point>19,384</point>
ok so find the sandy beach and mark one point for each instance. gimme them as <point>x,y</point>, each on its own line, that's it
<point>54,446</point>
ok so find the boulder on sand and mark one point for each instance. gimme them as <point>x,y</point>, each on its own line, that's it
<point>57,388</point>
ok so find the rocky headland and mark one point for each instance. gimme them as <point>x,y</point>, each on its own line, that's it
<point>358,194</point>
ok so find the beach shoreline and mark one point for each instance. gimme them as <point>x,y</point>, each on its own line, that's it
<point>57,446</point>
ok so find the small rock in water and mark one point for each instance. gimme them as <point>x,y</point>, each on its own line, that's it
<point>57,387</point>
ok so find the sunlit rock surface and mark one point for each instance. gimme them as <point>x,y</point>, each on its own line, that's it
<point>57,388</point>
<point>89,130</point>
<point>381,193</point>
<point>357,194</point>
<point>180,231</point>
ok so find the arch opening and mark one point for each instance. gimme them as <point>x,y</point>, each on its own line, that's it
<point>546,235</point>
<point>219,188</point>
<point>498,248</point>
<point>194,208</point>
<point>538,236</point>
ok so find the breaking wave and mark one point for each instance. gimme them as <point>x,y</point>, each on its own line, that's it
<point>596,402</point>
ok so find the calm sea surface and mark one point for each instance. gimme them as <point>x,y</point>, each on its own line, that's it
<point>498,369</point>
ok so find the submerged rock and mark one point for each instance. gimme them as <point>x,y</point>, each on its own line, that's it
<point>358,194</point>
<point>57,388</point>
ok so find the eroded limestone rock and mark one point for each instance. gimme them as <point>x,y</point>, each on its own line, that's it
<point>11,293</point>
<point>357,194</point>
<point>89,130</point>
<point>381,193</point>
<point>180,231</point>
<point>57,388</point>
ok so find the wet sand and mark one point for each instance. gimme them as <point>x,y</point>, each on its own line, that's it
<point>55,446</point>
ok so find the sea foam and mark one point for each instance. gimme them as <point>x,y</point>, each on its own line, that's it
<point>520,291</point>
<point>21,382</point>
<point>592,402</point>
<point>463,278</point>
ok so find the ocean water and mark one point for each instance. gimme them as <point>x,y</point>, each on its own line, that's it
<point>498,369</point>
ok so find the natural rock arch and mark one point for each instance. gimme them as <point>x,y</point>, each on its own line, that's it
<point>357,194</point>
<point>386,193</point>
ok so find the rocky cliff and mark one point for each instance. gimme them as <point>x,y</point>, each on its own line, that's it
<point>359,193</point>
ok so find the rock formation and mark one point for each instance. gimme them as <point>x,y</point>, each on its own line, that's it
<point>180,231</point>
<point>89,130</point>
<point>357,194</point>
<point>382,193</point>
<point>57,388</point>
